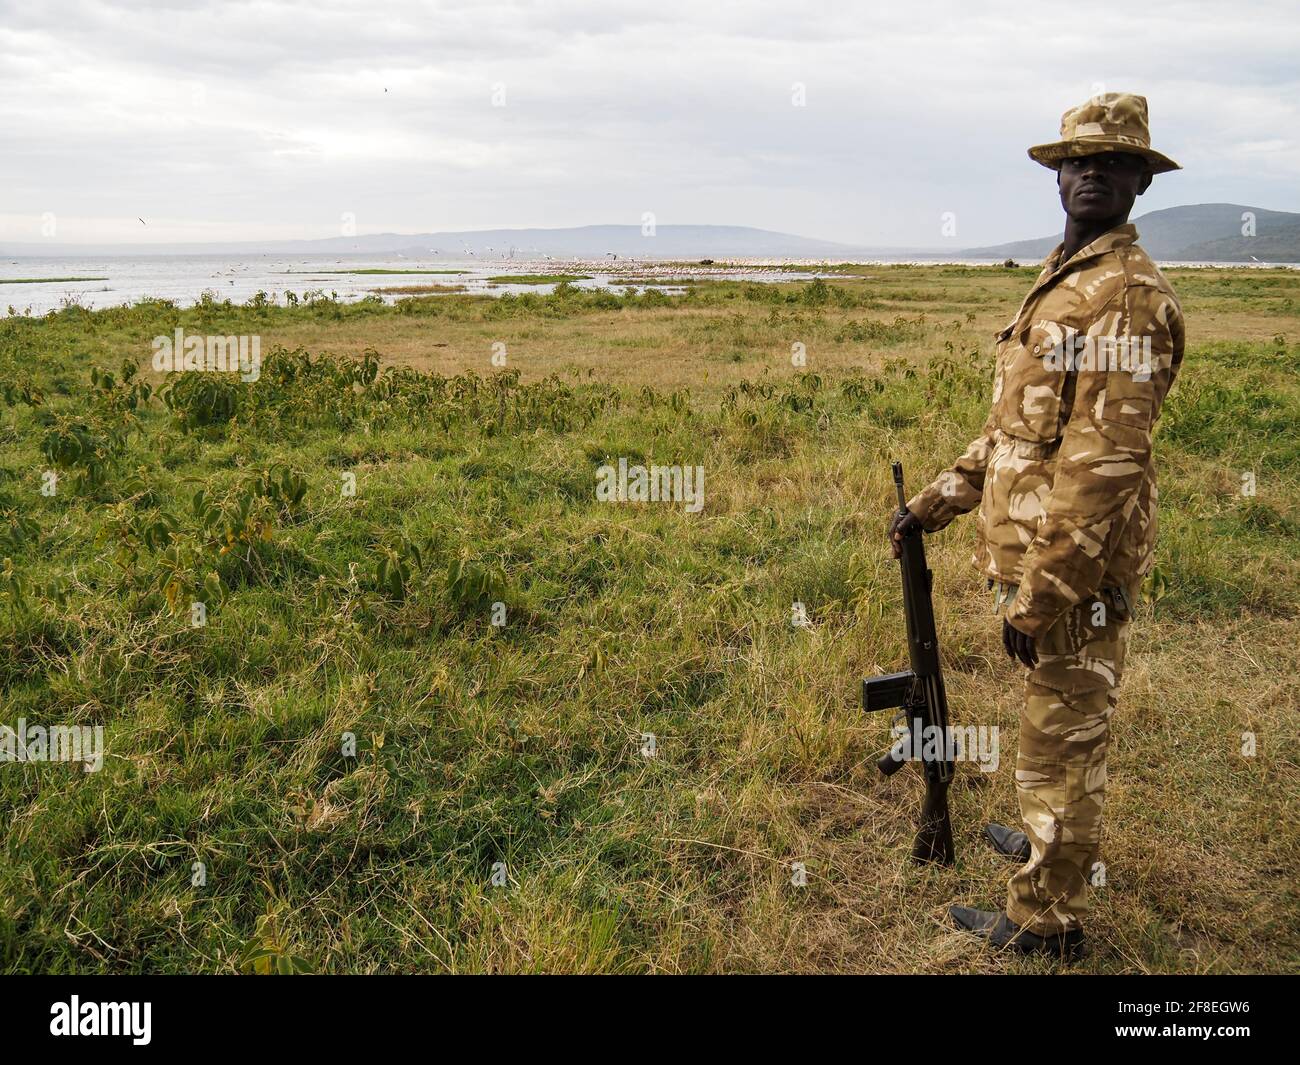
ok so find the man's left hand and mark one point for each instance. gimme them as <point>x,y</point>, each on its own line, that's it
<point>1019,646</point>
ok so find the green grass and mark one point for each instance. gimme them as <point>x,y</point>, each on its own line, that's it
<point>416,290</point>
<point>537,279</point>
<point>476,744</point>
<point>44,280</point>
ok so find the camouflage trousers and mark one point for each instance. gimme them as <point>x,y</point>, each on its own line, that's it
<point>1061,762</point>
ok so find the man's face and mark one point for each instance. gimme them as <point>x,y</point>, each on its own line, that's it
<point>1098,187</point>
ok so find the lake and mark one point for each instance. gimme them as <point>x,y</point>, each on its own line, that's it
<point>122,280</point>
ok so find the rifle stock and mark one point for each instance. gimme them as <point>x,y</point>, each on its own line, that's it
<point>934,838</point>
<point>919,693</point>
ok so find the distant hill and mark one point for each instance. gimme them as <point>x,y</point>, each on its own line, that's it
<point>1195,232</point>
<point>1202,231</point>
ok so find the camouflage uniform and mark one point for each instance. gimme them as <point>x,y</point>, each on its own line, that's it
<point>1061,763</point>
<point>1063,477</point>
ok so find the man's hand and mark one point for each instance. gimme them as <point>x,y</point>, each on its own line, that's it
<point>903,524</point>
<point>1019,646</point>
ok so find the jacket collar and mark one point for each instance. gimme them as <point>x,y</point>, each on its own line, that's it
<point>1119,237</point>
<point>1054,269</point>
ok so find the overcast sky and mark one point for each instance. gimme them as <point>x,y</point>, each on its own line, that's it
<point>273,119</point>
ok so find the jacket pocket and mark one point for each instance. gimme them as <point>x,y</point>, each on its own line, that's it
<point>1029,398</point>
<point>1127,400</point>
<point>1125,410</point>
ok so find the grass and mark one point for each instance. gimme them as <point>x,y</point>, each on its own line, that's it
<point>416,290</point>
<point>44,280</point>
<point>349,746</point>
<point>537,279</point>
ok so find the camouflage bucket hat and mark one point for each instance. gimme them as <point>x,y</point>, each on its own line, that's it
<point>1111,122</point>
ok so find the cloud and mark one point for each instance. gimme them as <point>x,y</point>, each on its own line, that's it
<point>252,118</point>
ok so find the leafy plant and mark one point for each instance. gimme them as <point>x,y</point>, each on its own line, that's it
<point>16,529</point>
<point>395,562</point>
<point>284,486</point>
<point>472,584</point>
<point>122,398</point>
<point>83,445</point>
<point>1155,587</point>
<point>17,390</point>
<point>268,954</point>
<point>199,400</point>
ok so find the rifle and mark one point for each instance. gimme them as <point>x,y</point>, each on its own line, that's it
<point>919,691</point>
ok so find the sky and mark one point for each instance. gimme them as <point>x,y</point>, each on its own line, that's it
<point>868,123</point>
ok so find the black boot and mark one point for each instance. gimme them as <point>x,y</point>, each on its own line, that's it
<point>1003,934</point>
<point>1008,841</point>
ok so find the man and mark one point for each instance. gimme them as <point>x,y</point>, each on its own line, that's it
<point>1065,484</point>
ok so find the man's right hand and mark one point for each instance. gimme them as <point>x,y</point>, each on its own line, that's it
<point>903,524</point>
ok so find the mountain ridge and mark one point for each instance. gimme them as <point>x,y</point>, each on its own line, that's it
<point>1191,232</point>
<point>590,241</point>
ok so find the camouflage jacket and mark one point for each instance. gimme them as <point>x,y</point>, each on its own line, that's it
<point>1062,472</point>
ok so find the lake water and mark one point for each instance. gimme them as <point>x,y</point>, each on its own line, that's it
<point>184,278</point>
